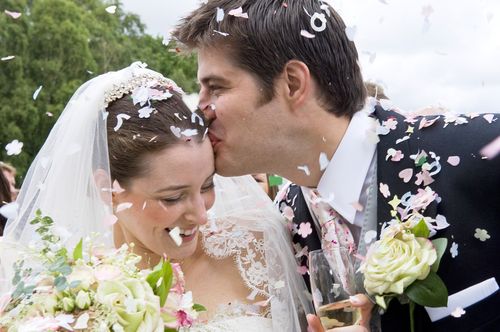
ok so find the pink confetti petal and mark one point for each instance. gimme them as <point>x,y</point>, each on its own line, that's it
<point>453,160</point>
<point>406,174</point>
<point>307,34</point>
<point>304,229</point>
<point>357,206</point>
<point>117,188</point>
<point>110,220</point>
<point>238,12</point>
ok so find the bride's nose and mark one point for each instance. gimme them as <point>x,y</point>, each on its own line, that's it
<point>197,211</point>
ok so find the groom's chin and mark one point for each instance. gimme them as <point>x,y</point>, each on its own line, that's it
<point>228,168</point>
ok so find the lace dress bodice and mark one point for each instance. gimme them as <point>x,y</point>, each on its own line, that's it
<point>222,239</point>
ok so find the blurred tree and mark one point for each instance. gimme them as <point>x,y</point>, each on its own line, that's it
<point>59,44</point>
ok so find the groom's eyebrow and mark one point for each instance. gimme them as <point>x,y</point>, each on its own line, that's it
<point>213,78</point>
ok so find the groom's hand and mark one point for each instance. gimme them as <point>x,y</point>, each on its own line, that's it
<point>360,301</point>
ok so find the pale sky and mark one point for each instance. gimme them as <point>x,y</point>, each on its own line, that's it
<point>433,52</point>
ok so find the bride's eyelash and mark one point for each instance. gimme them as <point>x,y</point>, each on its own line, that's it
<point>173,200</point>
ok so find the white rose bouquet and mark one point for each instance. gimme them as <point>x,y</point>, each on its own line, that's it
<point>94,289</point>
<point>403,263</point>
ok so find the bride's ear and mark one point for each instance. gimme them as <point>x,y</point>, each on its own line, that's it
<point>102,181</point>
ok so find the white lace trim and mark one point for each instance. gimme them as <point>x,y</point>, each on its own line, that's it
<point>225,238</point>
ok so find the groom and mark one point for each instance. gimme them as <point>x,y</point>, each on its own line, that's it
<point>281,85</point>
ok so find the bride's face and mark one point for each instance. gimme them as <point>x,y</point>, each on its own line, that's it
<point>176,191</point>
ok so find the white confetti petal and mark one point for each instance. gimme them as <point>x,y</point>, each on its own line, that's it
<point>323,161</point>
<point>176,131</point>
<point>458,312</point>
<point>454,250</point>
<point>219,15</point>
<point>190,132</point>
<point>175,235</point>
<point>9,210</point>
<point>305,169</point>
<point>123,206</point>
<point>82,321</point>
<point>14,15</point>
<point>225,34</point>
<point>119,120</point>
<point>351,32</point>
<point>14,148</point>
<point>7,58</point>
<point>318,17</point>
<point>370,236</point>
<point>37,92</point>
<point>489,117</point>
<point>111,9</point>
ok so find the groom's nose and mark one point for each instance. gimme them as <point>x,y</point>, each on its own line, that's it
<point>208,111</point>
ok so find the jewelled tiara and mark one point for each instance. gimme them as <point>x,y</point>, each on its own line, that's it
<point>145,79</point>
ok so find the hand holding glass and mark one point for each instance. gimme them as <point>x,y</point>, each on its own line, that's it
<point>332,287</point>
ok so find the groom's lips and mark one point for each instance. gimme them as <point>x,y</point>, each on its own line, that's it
<point>213,138</point>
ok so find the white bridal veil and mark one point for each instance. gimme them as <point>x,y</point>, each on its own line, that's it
<point>61,182</point>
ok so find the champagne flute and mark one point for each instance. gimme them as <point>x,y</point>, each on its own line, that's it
<point>332,287</point>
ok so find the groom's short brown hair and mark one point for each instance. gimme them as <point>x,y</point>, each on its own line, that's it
<point>271,36</point>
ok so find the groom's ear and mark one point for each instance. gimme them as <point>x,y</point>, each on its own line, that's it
<point>297,83</point>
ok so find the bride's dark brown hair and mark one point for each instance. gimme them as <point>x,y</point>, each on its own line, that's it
<point>139,137</point>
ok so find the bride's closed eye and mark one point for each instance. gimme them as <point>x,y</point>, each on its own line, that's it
<point>175,199</point>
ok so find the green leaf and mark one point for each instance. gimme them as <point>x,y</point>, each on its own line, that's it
<point>440,246</point>
<point>166,282</point>
<point>199,307</point>
<point>168,329</point>
<point>430,292</point>
<point>78,251</point>
<point>421,229</point>
<point>61,283</point>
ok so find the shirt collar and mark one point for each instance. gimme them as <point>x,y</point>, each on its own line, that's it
<point>345,174</point>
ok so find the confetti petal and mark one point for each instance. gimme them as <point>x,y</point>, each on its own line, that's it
<point>7,58</point>
<point>481,234</point>
<point>123,206</point>
<point>219,16</point>
<point>370,236</point>
<point>225,34</point>
<point>489,117</point>
<point>14,148</point>
<point>384,189</point>
<point>238,12</point>
<point>14,15</point>
<point>406,174</point>
<point>323,161</point>
<point>357,206</point>
<point>458,312</point>
<point>453,160</point>
<point>110,220</point>
<point>305,169</point>
<point>307,34</point>
<point>454,250</point>
<point>119,120</point>
<point>37,92</point>
<point>176,131</point>
<point>111,9</point>
<point>175,235</point>
<point>351,32</point>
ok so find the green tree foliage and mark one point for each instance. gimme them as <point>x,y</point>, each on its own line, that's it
<point>60,44</point>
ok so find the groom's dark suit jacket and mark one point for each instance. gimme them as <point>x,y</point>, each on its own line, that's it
<point>470,199</point>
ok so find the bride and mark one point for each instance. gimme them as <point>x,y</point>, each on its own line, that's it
<point>129,160</point>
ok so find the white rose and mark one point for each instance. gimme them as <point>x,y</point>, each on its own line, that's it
<point>82,273</point>
<point>138,308</point>
<point>392,264</point>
